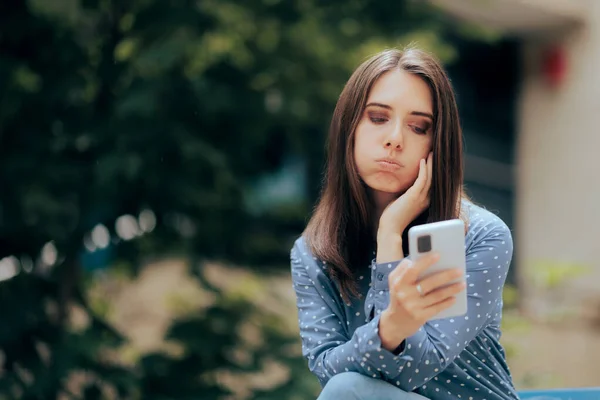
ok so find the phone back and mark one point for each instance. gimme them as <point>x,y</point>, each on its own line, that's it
<point>448,239</point>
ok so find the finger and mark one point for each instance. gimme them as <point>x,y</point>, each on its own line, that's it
<point>419,266</point>
<point>439,279</point>
<point>442,294</point>
<point>397,274</point>
<point>437,308</point>
<point>429,171</point>
<point>426,183</point>
<point>421,177</point>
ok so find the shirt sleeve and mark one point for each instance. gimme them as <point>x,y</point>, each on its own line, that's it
<point>326,343</point>
<point>439,342</point>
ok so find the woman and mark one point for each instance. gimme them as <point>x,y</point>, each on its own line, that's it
<point>395,160</point>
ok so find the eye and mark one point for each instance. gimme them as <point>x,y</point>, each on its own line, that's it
<point>377,118</point>
<point>419,130</point>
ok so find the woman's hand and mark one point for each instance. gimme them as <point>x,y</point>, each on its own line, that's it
<point>401,212</point>
<point>414,302</point>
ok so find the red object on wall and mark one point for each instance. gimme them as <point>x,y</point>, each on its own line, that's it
<point>554,65</point>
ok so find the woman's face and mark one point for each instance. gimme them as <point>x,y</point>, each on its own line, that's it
<point>394,133</point>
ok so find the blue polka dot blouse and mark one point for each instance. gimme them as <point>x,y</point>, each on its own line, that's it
<point>457,357</point>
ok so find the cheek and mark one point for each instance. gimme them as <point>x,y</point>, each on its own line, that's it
<point>361,146</point>
<point>421,147</point>
<point>412,166</point>
<point>412,171</point>
<point>361,135</point>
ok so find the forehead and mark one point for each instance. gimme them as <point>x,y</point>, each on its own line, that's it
<point>402,91</point>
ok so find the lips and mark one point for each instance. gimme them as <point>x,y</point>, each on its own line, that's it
<point>388,164</point>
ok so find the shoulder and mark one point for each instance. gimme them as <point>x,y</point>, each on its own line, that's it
<point>300,251</point>
<point>485,227</point>
<point>302,260</point>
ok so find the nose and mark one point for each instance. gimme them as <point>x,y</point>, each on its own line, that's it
<point>393,141</point>
<point>393,145</point>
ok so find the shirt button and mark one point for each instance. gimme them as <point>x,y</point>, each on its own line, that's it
<point>379,277</point>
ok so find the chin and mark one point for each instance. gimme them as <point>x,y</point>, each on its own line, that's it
<point>391,188</point>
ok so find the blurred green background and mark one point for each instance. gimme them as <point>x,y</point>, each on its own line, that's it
<point>157,160</point>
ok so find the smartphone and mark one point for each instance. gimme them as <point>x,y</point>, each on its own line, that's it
<point>447,238</point>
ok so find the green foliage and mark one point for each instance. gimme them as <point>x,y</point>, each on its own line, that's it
<point>551,274</point>
<point>180,107</point>
<point>197,368</point>
<point>39,354</point>
<point>510,296</point>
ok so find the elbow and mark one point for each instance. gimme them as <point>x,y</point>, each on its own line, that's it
<point>322,376</point>
<point>443,362</point>
<point>315,366</point>
<point>437,359</point>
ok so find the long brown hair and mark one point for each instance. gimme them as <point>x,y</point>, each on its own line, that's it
<point>340,231</point>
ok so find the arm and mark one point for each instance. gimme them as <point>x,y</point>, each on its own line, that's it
<point>437,344</point>
<point>326,343</point>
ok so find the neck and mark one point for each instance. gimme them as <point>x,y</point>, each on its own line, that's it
<point>380,201</point>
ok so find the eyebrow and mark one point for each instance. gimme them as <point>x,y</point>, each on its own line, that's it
<point>419,113</point>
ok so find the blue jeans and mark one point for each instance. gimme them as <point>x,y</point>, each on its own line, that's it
<point>355,386</point>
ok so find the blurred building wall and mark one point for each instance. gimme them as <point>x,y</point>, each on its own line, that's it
<point>558,158</point>
<point>557,148</point>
